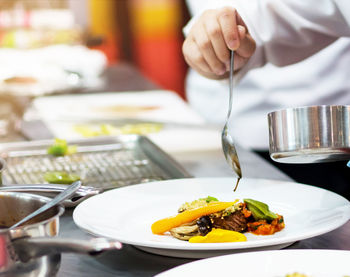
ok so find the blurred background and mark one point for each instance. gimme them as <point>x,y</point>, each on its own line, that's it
<point>68,69</point>
<point>146,33</point>
<point>57,47</point>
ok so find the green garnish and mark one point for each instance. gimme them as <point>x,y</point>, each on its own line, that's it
<point>259,210</point>
<point>58,177</point>
<point>209,199</point>
<point>61,148</point>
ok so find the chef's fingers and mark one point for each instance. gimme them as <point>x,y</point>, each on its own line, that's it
<point>227,20</point>
<point>193,56</point>
<point>247,43</point>
<point>214,32</point>
<point>195,60</point>
<point>206,48</point>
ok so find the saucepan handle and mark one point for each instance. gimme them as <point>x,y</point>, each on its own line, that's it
<point>29,248</point>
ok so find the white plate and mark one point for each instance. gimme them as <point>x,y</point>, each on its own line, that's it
<point>127,213</point>
<point>314,263</point>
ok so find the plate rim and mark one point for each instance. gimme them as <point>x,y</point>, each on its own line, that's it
<point>213,246</point>
<point>265,253</point>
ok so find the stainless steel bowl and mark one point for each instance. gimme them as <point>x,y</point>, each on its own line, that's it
<point>310,134</point>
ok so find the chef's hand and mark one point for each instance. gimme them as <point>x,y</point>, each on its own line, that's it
<point>208,44</point>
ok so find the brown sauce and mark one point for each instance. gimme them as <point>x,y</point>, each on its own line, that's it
<point>238,179</point>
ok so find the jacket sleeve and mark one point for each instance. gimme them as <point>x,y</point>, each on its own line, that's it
<point>288,31</point>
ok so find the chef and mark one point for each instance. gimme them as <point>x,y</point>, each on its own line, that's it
<point>284,32</point>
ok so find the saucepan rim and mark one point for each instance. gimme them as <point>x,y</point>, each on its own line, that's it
<point>42,199</point>
<point>307,107</point>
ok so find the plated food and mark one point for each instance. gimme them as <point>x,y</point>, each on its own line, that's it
<point>208,220</point>
<point>139,206</point>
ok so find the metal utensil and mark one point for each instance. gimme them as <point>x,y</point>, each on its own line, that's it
<point>69,191</point>
<point>226,139</point>
<point>311,134</point>
<point>51,190</point>
<point>106,162</point>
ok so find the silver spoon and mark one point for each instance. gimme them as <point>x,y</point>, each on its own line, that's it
<point>226,139</point>
<point>68,192</point>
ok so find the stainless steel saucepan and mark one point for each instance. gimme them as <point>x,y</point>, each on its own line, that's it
<point>33,249</point>
<point>310,134</point>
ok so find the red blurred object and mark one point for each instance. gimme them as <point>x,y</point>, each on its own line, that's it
<point>108,46</point>
<point>160,59</point>
<point>156,27</point>
<point>3,251</point>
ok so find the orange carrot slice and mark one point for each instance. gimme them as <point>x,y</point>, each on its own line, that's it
<point>166,224</point>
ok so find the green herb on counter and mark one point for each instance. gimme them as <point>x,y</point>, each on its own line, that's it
<point>61,148</point>
<point>58,177</point>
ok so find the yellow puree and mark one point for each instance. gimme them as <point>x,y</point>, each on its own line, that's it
<point>219,235</point>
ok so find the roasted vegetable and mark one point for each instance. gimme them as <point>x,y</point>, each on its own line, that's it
<point>260,210</point>
<point>204,225</point>
<point>166,224</point>
<point>185,231</point>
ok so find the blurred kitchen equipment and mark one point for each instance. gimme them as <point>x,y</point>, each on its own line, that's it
<point>103,162</point>
<point>50,190</point>
<point>30,250</point>
<point>113,112</point>
<point>53,69</point>
<point>58,199</point>
<point>310,134</point>
<point>11,112</point>
<point>2,167</point>
<point>226,139</point>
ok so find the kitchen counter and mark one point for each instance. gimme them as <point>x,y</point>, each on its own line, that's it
<point>133,262</point>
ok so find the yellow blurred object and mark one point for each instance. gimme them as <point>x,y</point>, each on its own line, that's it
<point>102,17</point>
<point>218,236</point>
<point>108,129</point>
<point>155,17</point>
<point>103,25</point>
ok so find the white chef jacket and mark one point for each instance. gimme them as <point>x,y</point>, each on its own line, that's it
<point>286,31</point>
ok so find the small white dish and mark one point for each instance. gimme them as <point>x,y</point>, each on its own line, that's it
<point>126,214</point>
<point>313,263</point>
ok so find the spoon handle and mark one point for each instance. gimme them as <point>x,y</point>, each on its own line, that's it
<point>68,192</point>
<point>230,85</point>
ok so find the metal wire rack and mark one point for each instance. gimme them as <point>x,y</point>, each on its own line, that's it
<point>102,162</point>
